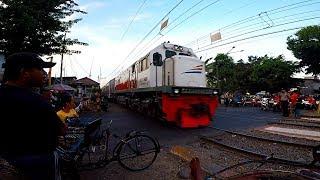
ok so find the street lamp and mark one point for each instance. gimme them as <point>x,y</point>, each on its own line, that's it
<point>206,61</point>
<point>230,50</point>
<point>236,51</point>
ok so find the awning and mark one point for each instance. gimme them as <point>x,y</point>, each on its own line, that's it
<point>61,87</point>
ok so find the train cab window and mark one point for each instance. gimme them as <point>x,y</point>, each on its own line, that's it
<point>169,53</point>
<point>133,68</point>
<point>184,54</point>
<point>147,63</point>
<point>141,66</point>
<point>138,67</point>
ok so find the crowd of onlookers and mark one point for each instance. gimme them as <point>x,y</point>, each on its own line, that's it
<point>83,104</point>
<point>289,102</point>
<point>68,107</point>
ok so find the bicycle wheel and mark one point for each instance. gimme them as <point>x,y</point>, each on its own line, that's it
<point>138,152</point>
<point>93,156</point>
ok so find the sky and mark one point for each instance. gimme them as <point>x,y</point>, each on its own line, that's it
<point>116,31</point>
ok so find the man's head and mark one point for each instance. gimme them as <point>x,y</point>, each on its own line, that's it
<point>27,68</point>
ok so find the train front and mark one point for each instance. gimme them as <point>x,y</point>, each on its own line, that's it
<point>186,101</point>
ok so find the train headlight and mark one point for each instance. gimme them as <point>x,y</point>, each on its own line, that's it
<point>175,47</point>
<point>176,91</point>
<point>180,48</point>
<point>215,92</point>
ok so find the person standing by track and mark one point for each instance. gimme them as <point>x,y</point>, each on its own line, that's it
<point>29,125</point>
<point>284,100</point>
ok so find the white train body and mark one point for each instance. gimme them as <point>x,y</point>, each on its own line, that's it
<point>181,67</point>
<point>168,83</point>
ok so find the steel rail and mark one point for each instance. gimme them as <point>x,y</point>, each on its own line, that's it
<point>300,120</point>
<point>256,154</point>
<point>310,116</point>
<point>265,139</point>
<point>309,125</point>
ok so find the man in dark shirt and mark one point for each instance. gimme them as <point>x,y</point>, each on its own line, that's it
<point>29,127</point>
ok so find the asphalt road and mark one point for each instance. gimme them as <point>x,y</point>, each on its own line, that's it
<point>239,118</point>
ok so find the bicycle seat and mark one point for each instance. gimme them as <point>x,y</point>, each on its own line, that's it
<point>134,132</point>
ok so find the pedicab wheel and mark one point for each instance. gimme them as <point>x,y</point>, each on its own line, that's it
<point>92,156</point>
<point>138,152</point>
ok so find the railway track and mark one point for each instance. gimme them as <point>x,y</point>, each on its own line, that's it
<point>301,120</point>
<point>303,124</point>
<point>256,155</point>
<point>265,139</point>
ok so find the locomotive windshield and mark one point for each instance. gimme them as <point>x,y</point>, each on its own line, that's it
<point>169,53</point>
<point>184,54</point>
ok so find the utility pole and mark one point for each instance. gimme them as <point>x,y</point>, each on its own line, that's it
<point>91,68</point>
<point>217,71</point>
<point>63,50</point>
<point>61,68</point>
<point>49,72</point>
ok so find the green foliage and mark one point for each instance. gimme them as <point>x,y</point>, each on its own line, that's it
<point>36,26</point>
<point>260,73</point>
<point>305,46</point>
<point>272,73</point>
<point>220,68</point>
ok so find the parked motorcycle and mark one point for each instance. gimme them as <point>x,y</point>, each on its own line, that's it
<point>265,104</point>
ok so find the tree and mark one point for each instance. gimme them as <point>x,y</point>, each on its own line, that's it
<point>221,74</point>
<point>37,26</point>
<point>242,73</point>
<point>272,74</point>
<point>305,46</point>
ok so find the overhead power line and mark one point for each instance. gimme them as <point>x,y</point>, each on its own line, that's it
<point>249,18</point>
<point>250,32</point>
<point>138,44</point>
<point>81,67</point>
<point>148,43</point>
<point>260,35</point>
<point>187,11</point>
<point>233,10</point>
<point>197,12</point>
<point>133,18</point>
<point>274,19</point>
<point>283,20</point>
<point>255,17</point>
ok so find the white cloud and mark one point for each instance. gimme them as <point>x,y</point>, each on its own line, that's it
<point>156,3</point>
<point>141,17</point>
<point>3,4</point>
<point>124,21</point>
<point>93,6</point>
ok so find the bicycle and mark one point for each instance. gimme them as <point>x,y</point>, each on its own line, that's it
<point>135,151</point>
